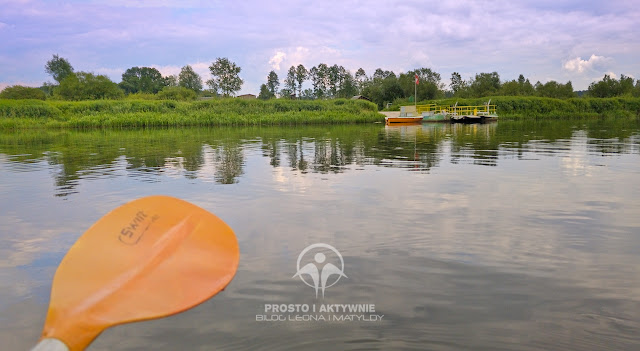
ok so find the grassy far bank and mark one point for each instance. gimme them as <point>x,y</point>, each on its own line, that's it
<point>17,114</point>
<point>21,114</point>
<point>514,107</point>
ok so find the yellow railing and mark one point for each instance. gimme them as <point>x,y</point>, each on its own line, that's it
<point>430,108</point>
<point>480,110</point>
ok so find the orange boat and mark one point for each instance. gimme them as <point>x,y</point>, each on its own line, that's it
<point>405,120</point>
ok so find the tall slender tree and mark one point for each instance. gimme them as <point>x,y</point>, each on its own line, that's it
<point>301,75</point>
<point>290,81</point>
<point>361,79</point>
<point>273,83</point>
<point>320,79</point>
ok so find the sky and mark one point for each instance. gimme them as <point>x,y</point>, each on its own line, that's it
<point>561,40</point>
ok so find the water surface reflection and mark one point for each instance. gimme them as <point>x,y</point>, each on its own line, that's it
<point>505,236</point>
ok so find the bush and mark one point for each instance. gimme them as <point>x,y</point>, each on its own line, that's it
<point>21,92</point>
<point>87,86</point>
<point>177,93</point>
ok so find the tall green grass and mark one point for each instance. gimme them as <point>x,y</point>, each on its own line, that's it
<point>539,107</point>
<point>16,114</point>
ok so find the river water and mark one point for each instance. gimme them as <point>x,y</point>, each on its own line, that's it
<point>502,236</point>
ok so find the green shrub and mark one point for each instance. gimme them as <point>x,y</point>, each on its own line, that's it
<point>22,92</point>
<point>177,93</point>
<point>87,86</point>
<point>28,109</point>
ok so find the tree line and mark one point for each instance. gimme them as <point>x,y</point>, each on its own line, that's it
<point>138,82</point>
<point>385,86</point>
<point>327,82</point>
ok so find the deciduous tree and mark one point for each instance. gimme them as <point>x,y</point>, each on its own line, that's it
<point>458,85</point>
<point>265,94</point>
<point>226,77</point>
<point>320,79</point>
<point>143,80</point>
<point>189,79</point>
<point>87,86</point>
<point>290,80</point>
<point>361,79</point>
<point>59,68</point>
<point>301,75</point>
<point>485,84</point>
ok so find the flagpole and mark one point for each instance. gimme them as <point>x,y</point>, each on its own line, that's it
<point>415,88</point>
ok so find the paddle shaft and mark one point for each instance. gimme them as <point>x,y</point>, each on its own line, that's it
<point>50,344</point>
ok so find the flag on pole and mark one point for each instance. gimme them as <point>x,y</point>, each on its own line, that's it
<point>417,80</point>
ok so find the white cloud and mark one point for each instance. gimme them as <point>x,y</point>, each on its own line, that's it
<point>594,63</point>
<point>299,55</point>
<point>158,3</point>
<point>277,59</point>
<point>22,83</point>
<point>110,72</point>
<point>546,42</point>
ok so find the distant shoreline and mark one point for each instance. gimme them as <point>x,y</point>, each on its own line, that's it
<point>33,114</point>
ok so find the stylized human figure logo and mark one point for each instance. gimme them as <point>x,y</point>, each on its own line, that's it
<point>320,277</point>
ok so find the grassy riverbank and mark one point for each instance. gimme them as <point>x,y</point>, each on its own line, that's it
<point>18,114</point>
<point>515,107</point>
<point>25,114</point>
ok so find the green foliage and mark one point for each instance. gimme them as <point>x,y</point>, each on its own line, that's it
<point>542,107</point>
<point>87,86</point>
<point>553,89</point>
<point>383,88</point>
<point>177,93</point>
<point>348,86</point>
<point>319,76</point>
<point>225,77</point>
<point>142,79</point>
<point>361,79</point>
<point>128,113</point>
<point>521,87</point>
<point>485,84</point>
<point>611,87</point>
<point>28,109</point>
<point>21,92</point>
<point>459,86</point>
<point>290,80</point>
<point>171,81</point>
<point>301,75</point>
<point>488,84</point>
<point>141,96</point>
<point>265,94</point>
<point>273,83</point>
<point>427,88</point>
<point>48,88</point>
<point>189,79</point>
<point>59,68</point>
